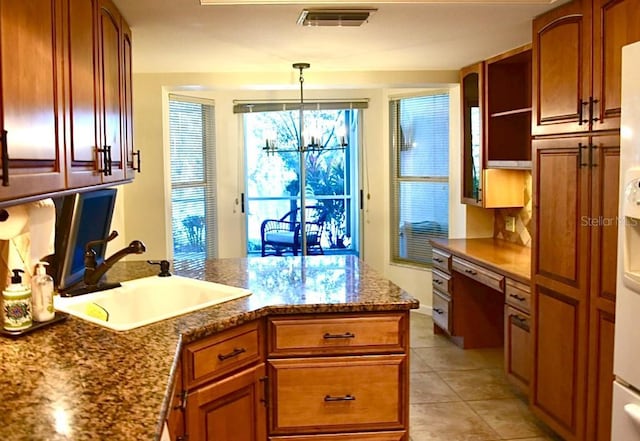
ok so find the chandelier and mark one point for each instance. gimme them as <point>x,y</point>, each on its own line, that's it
<point>315,134</point>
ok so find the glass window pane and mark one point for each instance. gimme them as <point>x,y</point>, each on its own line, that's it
<point>188,225</point>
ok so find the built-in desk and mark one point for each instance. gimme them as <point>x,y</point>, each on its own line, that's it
<point>481,295</point>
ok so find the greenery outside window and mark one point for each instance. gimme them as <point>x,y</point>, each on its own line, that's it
<point>419,129</point>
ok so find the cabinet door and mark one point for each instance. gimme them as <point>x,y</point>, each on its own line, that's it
<point>517,347</point>
<point>561,213</point>
<point>561,70</point>
<point>80,49</point>
<point>110,49</point>
<point>602,297</point>
<point>175,413</point>
<point>127,104</point>
<point>229,410</point>
<point>560,280</point>
<point>29,97</point>
<point>615,24</point>
<point>471,80</point>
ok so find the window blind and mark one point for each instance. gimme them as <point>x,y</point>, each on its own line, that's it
<point>193,177</point>
<point>419,131</point>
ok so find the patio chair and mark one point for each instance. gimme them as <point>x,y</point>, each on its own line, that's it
<point>282,235</point>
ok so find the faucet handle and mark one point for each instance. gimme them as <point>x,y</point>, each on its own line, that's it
<point>92,243</point>
<point>164,267</point>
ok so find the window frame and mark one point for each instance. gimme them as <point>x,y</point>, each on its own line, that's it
<point>396,177</point>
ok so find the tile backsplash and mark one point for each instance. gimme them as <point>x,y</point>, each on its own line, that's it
<point>522,215</point>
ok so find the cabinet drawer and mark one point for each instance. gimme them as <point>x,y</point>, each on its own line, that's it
<point>399,435</point>
<point>517,347</point>
<point>337,394</point>
<point>441,281</point>
<point>441,260</point>
<point>479,274</point>
<point>338,334</point>
<point>441,311</point>
<point>222,353</point>
<point>518,295</point>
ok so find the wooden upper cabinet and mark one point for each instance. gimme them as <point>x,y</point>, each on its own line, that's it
<point>615,24</point>
<point>561,64</point>
<point>30,98</point>
<point>131,162</point>
<point>577,65</point>
<point>110,51</point>
<point>81,70</point>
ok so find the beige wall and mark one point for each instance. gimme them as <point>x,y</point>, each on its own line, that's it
<point>146,201</point>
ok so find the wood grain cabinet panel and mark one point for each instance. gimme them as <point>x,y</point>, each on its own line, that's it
<point>577,65</point>
<point>517,347</point>
<point>222,353</point>
<point>233,409</point>
<point>342,334</point>
<point>478,273</point>
<point>360,436</point>
<point>338,394</point>
<point>441,281</point>
<point>31,98</point>
<point>442,260</point>
<point>442,311</point>
<point>574,268</point>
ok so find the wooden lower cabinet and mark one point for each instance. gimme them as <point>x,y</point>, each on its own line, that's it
<point>232,409</point>
<point>517,347</point>
<point>337,394</point>
<point>360,436</point>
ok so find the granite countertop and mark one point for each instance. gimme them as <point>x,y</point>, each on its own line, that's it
<point>501,256</point>
<point>75,380</point>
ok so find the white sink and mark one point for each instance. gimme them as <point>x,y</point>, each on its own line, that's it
<point>143,301</point>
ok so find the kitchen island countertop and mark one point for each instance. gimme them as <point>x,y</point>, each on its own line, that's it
<point>75,380</point>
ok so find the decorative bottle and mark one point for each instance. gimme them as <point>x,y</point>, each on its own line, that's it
<point>16,304</point>
<point>42,294</point>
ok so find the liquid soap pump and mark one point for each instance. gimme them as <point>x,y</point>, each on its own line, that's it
<point>42,292</point>
<point>16,299</point>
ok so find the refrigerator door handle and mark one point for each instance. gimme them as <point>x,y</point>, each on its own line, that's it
<point>633,411</point>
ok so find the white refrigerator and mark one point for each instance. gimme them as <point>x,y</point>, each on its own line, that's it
<point>626,363</point>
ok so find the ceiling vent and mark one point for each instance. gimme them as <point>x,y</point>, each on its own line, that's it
<point>334,17</point>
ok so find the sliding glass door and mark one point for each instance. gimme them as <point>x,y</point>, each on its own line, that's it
<point>273,176</point>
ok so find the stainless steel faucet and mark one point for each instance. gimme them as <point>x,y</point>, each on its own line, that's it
<point>94,272</point>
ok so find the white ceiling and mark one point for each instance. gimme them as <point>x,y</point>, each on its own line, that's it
<point>183,36</point>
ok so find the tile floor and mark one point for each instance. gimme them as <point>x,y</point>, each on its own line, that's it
<point>463,395</point>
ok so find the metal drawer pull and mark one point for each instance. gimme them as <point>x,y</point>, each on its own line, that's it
<point>234,353</point>
<point>436,259</point>
<point>472,272</point>
<point>437,282</point>
<point>347,397</point>
<point>133,155</point>
<point>517,297</point>
<point>520,322</point>
<point>345,335</point>
<point>438,310</point>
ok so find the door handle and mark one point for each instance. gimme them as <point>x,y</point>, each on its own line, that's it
<point>580,163</point>
<point>134,154</point>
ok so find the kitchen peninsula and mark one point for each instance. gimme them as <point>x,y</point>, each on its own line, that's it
<point>76,380</point>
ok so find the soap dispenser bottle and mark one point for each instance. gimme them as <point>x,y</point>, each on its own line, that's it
<point>42,294</point>
<point>16,308</point>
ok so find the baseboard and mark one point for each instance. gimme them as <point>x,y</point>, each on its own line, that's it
<point>426,310</point>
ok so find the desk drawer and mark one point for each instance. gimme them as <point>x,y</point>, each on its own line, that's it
<point>338,394</point>
<point>221,353</point>
<point>441,260</point>
<point>518,295</point>
<point>337,334</point>
<point>441,281</point>
<point>441,311</point>
<point>480,274</point>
